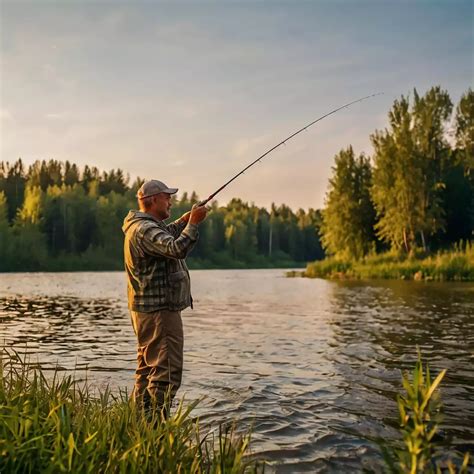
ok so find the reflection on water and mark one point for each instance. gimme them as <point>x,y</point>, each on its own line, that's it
<point>312,365</point>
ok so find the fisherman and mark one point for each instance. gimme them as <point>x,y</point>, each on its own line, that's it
<point>158,290</point>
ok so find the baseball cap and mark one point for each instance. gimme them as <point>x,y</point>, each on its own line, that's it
<point>152,187</point>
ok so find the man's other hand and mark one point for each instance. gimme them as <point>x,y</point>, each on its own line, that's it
<point>198,214</point>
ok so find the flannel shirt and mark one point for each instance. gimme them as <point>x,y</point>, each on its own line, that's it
<point>154,255</point>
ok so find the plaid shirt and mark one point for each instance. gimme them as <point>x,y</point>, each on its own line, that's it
<point>154,254</point>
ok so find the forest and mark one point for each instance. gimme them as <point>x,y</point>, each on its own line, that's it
<point>55,216</point>
<point>416,192</point>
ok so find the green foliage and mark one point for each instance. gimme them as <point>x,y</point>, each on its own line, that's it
<point>12,184</point>
<point>464,156</point>
<point>57,424</point>
<point>454,265</point>
<point>419,192</point>
<point>465,130</point>
<point>422,190</point>
<point>348,219</point>
<point>33,205</point>
<point>410,162</point>
<point>5,237</point>
<point>76,218</point>
<point>420,415</point>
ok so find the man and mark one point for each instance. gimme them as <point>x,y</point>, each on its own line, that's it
<point>158,290</point>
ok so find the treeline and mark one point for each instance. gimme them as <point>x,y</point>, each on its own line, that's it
<point>416,192</point>
<point>55,216</point>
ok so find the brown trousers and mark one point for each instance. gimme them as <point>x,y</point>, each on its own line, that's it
<point>159,356</point>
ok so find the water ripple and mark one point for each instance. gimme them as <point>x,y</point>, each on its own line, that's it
<point>313,366</point>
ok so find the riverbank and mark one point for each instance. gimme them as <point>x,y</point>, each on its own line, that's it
<point>54,423</point>
<point>454,265</point>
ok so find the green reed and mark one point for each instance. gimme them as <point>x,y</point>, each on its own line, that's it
<point>420,410</point>
<point>56,424</point>
<point>454,265</point>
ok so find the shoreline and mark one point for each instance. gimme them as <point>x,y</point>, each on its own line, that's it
<point>456,265</point>
<point>300,265</point>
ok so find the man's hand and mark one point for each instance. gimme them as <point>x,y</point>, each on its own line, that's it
<point>197,214</point>
<point>185,217</point>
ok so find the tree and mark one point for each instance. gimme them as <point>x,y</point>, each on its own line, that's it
<point>71,174</point>
<point>464,131</point>
<point>32,209</point>
<point>12,184</point>
<point>90,180</point>
<point>111,211</point>
<point>114,180</point>
<point>430,116</point>
<point>410,159</point>
<point>4,233</point>
<point>460,187</point>
<point>348,218</point>
<point>69,219</point>
<point>45,174</point>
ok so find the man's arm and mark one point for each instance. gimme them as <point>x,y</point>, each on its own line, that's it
<point>154,240</point>
<point>177,226</point>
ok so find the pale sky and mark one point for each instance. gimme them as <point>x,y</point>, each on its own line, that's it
<point>191,92</point>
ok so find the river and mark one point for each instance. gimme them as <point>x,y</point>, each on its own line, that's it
<point>312,365</point>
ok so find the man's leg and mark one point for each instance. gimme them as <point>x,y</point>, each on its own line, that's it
<point>140,393</point>
<point>166,372</point>
<point>160,356</point>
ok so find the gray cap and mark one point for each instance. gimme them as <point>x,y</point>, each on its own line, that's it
<point>152,187</point>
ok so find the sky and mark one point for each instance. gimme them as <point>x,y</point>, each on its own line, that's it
<point>191,92</point>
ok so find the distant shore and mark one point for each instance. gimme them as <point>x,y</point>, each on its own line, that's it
<point>454,265</point>
<point>76,264</point>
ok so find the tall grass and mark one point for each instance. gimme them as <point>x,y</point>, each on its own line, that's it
<point>420,415</point>
<point>453,265</point>
<point>56,424</point>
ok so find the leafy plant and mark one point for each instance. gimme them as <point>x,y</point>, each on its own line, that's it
<point>420,415</point>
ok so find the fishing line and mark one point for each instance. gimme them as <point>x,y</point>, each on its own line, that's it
<point>283,142</point>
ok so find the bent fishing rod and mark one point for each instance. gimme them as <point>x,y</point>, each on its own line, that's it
<point>205,201</point>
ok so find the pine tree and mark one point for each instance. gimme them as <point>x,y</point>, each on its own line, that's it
<point>5,238</point>
<point>12,184</point>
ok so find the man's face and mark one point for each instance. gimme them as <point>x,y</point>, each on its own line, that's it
<point>162,205</point>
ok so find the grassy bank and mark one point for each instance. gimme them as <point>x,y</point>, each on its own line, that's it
<point>454,265</point>
<point>55,424</point>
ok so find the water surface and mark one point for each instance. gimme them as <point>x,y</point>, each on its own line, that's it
<point>312,365</point>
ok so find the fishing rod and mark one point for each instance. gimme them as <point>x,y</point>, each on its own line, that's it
<point>205,201</point>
